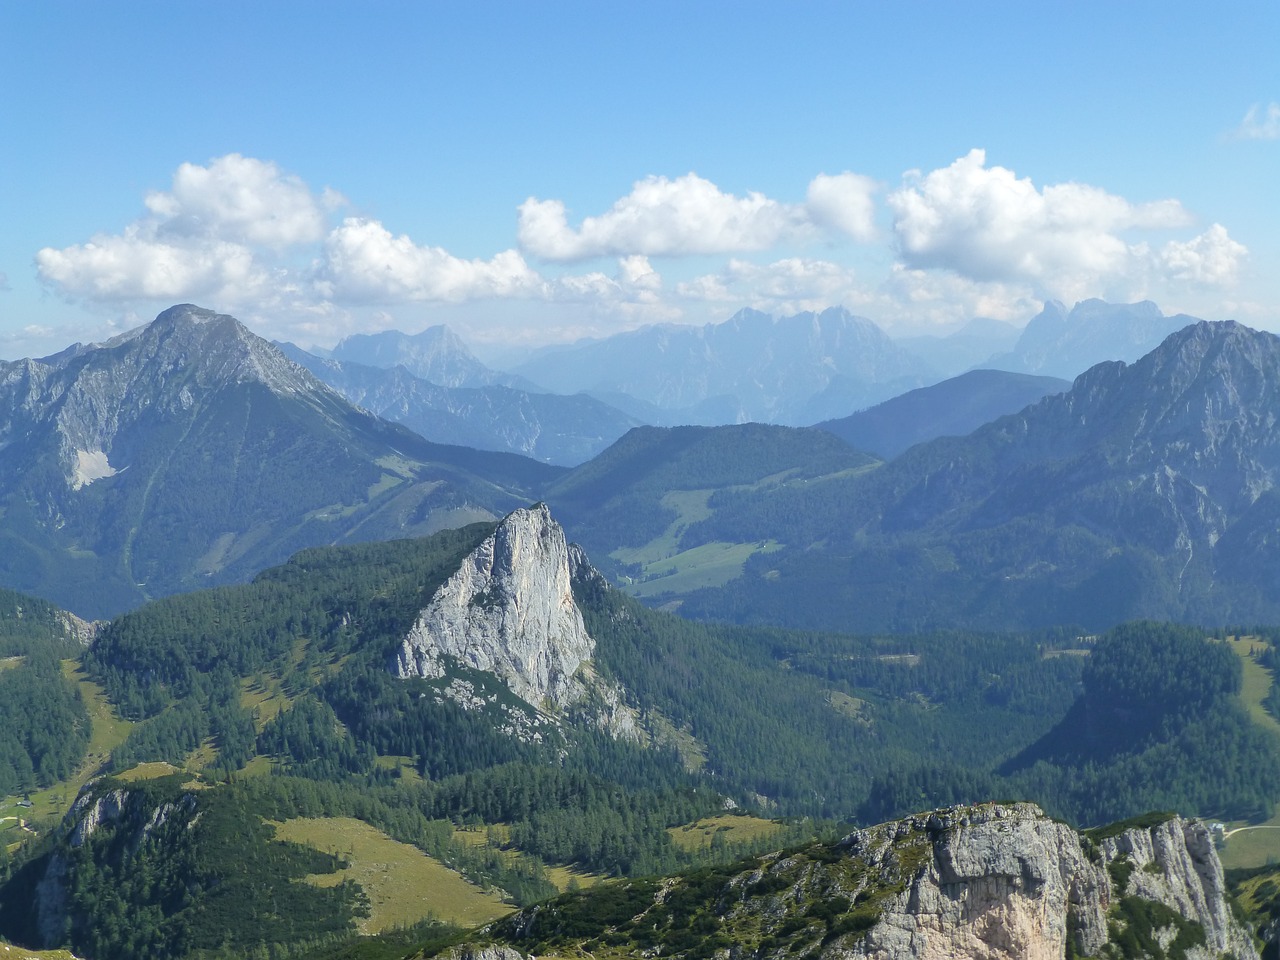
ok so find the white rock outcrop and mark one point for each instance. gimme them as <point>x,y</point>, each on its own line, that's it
<point>508,611</point>
<point>997,881</point>
<point>1004,882</point>
<point>1177,864</point>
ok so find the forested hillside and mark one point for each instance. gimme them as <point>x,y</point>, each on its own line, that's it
<point>275,702</point>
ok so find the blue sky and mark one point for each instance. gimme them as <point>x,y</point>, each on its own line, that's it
<point>534,172</point>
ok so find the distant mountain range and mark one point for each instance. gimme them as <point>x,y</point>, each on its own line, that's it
<point>191,452</point>
<point>436,355</point>
<point>971,346</point>
<point>1064,343</point>
<point>790,370</point>
<point>546,426</point>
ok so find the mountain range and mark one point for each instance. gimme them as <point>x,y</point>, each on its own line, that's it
<point>792,370</point>
<point>191,452</point>
<point>1058,342</point>
<point>436,355</point>
<point>556,429</point>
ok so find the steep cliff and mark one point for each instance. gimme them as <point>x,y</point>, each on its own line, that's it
<point>509,613</point>
<point>988,882</point>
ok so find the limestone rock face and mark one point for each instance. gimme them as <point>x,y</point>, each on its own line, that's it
<point>509,611</point>
<point>999,881</point>
<point>1176,864</point>
<point>985,882</point>
<point>1004,882</point>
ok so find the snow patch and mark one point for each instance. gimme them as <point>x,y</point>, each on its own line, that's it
<point>91,465</point>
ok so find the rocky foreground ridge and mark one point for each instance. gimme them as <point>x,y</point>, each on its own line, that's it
<point>988,882</point>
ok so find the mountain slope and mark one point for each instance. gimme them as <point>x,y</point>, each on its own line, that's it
<point>791,370</point>
<point>1147,490</point>
<point>190,451</point>
<point>477,677</point>
<point>953,407</point>
<point>630,505</point>
<point>544,426</point>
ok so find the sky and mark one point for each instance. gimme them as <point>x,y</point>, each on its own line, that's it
<point>531,173</point>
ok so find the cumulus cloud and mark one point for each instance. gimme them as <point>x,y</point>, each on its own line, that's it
<point>203,238</point>
<point>845,202</point>
<point>135,265</point>
<point>660,217</point>
<point>241,199</point>
<point>691,216</point>
<point>365,262</point>
<point>1212,259</point>
<point>968,239</point>
<point>1260,123</point>
<point>987,224</point>
<point>938,298</point>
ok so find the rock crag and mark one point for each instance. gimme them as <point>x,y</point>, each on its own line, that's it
<point>509,612</point>
<point>985,882</point>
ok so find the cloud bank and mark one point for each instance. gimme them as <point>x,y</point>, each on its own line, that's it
<point>690,216</point>
<point>966,239</point>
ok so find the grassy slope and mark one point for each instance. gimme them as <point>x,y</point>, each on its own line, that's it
<point>735,828</point>
<point>10,952</point>
<point>669,569</point>
<point>109,731</point>
<point>402,883</point>
<point>1260,844</point>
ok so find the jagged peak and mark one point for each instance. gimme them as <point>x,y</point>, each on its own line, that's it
<point>508,610</point>
<point>1094,307</point>
<point>430,339</point>
<point>1217,345</point>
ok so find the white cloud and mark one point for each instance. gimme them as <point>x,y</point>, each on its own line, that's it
<point>1260,123</point>
<point>134,265</point>
<point>845,202</point>
<point>242,235</point>
<point>660,217</point>
<point>986,224</point>
<point>692,216</point>
<point>364,262</point>
<point>241,199</point>
<point>1212,258</point>
<point>211,236</point>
